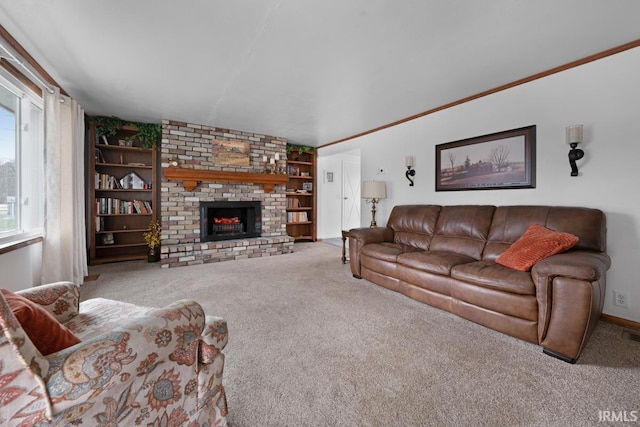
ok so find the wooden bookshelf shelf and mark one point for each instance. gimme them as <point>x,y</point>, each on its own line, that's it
<point>301,206</point>
<point>118,236</point>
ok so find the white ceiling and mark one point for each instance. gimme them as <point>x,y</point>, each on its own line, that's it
<point>310,71</point>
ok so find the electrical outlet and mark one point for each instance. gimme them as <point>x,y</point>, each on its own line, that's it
<point>621,299</point>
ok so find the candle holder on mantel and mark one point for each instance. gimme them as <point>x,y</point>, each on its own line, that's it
<point>272,165</point>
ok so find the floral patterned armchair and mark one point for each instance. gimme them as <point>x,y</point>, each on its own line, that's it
<point>134,365</point>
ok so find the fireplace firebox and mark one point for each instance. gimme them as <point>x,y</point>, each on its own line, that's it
<point>229,220</point>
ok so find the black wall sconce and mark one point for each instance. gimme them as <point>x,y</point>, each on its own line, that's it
<point>410,171</point>
<point>574,137</point>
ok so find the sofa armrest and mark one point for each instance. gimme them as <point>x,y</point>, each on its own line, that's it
<point>570,289</point>
<point>581,265</point>
<point>370,235</point>
<point>139,350</point>
<point>61,299</point>
<point>358,237</point>
<point>21,365</point>
<point>213,340</point>
<point>211,393</point>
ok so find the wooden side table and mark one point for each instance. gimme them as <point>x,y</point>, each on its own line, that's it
<point>345,234</point>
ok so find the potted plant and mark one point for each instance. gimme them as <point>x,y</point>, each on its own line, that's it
<point>148,133</point>
<point>300,149</point>
<point>152,237</point>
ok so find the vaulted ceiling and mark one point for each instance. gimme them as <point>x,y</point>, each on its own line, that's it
<point>311,71</point>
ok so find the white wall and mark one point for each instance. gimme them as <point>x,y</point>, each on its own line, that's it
<point>603,95</point>
<point>21,268</point>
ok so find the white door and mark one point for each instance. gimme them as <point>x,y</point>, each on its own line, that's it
<point>350,195</point>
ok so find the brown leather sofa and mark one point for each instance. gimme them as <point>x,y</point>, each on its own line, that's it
<point>445,256</point>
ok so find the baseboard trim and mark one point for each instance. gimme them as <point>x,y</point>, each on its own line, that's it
<point>620,321</point>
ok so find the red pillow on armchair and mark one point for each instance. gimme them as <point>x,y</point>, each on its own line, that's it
<point>44,330</point>
<point>537,243</point>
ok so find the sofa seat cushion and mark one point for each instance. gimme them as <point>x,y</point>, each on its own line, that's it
<point>437,262</point>
<point>386,251</point>
<point>490,275</point>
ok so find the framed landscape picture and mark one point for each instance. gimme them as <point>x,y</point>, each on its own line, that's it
<point>232,153</point>
<point>496,161</point>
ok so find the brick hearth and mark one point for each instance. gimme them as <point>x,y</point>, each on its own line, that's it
<point>191,145</point>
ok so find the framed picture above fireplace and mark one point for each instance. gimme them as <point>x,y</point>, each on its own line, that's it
<point>231,153</point>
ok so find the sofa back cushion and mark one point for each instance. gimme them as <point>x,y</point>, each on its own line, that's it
<point>462,229</point>
<point>413,225</point>
<point>511,222</point>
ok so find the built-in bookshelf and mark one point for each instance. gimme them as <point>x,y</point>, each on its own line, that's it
<point>301,200</point>
<point>122,189</point>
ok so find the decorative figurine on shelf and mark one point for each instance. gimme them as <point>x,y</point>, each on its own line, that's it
<point>152,237</point>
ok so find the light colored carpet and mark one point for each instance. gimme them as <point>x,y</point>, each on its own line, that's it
<point>336,241</point>
<point>312,346</point>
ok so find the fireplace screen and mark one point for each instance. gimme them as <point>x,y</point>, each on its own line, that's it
<point>229,220</point>
<point>226,224</point>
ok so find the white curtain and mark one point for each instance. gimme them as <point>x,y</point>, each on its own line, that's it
<point>64,254</point>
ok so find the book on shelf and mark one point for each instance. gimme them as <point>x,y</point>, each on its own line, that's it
<point>102,140</point>
<point>297,217</point>
<point>293,202</point>
<point>105,181</point>
<point>98,156</point>
<point>99,224</point>
<point>142,206</point>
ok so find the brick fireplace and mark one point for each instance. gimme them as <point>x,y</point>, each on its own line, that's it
<point>191,145</point>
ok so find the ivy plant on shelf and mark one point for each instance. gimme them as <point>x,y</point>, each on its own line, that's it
<point>148,133</point>
<point>300,149</point>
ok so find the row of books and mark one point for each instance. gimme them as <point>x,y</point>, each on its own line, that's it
<point>297,217</point>
<point>293,202</point>
<point>109,205</point>
<point>105,181</point>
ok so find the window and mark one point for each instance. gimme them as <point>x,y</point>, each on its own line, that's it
<point>21,161</point>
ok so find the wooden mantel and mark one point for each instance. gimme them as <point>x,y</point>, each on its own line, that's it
<point>192,177</point>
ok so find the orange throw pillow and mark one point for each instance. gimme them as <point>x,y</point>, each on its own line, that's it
<point>537,243</point>
<point>44,330</point>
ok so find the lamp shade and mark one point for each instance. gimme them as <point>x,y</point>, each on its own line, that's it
<point>574,134</point>
<point>374,190</point>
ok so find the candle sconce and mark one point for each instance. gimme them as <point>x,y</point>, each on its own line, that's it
<point>410,171</point>
<point>574,137</point>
